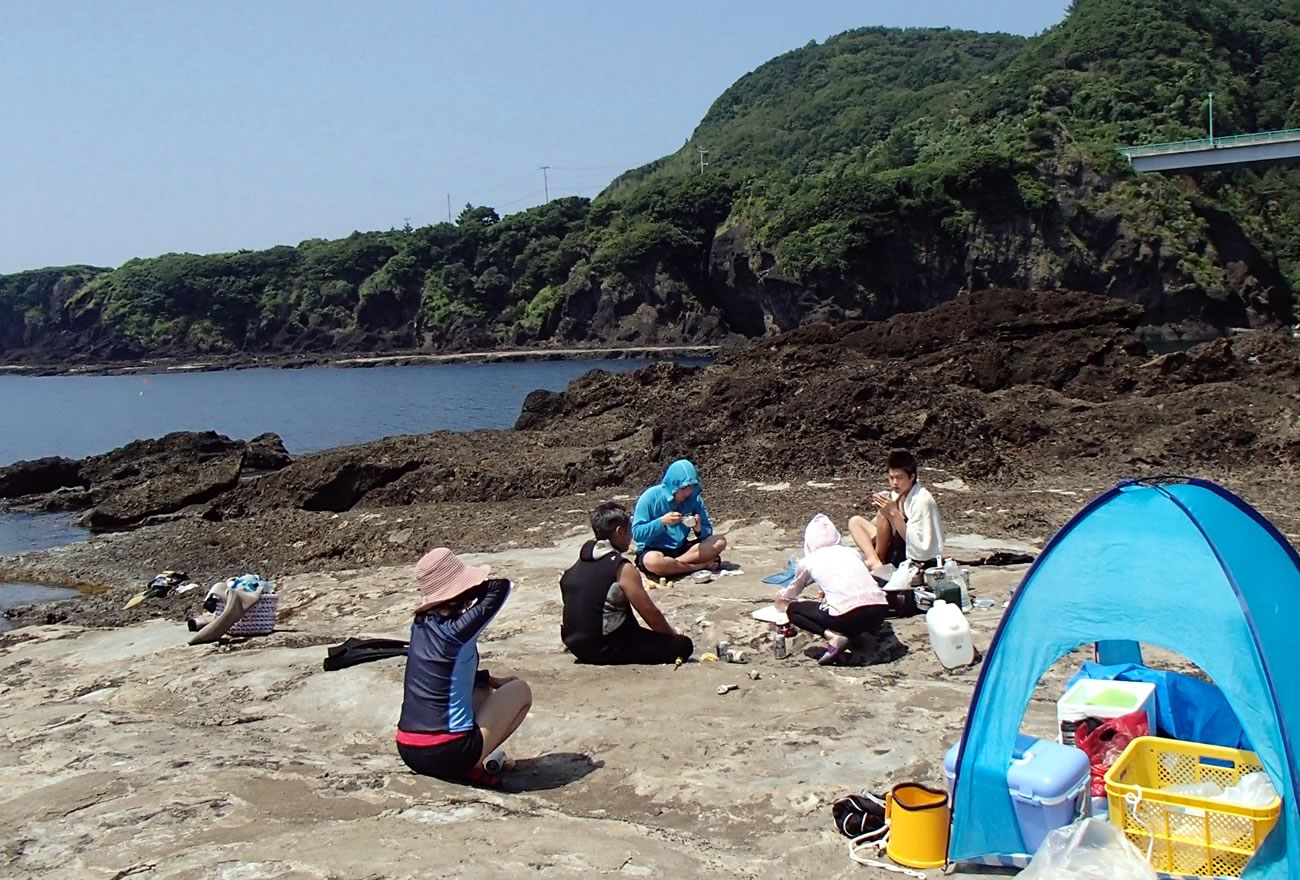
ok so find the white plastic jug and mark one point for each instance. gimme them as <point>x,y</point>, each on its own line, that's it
<point>950,635</point>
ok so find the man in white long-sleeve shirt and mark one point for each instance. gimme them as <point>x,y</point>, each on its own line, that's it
<point>907,524</point>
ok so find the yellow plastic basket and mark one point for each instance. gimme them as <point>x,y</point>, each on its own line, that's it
<point>1187,834</point>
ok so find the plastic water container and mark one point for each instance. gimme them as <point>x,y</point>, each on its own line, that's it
<point>1095,698</point>
<point>1049,786</point>
<point>950,635</point>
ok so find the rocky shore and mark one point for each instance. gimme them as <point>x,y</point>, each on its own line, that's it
<point>1027,403</point>
<point>37,364</point>
<point>130,753</point>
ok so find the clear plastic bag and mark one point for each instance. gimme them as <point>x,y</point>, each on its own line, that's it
<point>1253,790</point>
<point>1090,849</point>
<point>902,577</point>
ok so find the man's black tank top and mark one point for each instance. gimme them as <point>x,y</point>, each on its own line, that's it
<point>594,604</point>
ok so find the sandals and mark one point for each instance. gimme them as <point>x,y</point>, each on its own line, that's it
<point>835,648</point>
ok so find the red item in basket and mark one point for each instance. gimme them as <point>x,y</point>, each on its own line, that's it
<point>1104,744</point>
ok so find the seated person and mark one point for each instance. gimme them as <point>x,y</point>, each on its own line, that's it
<point>907,524</point>
<point>665,517</point>
<point>601,590</point>
<point>454,715</point>
<point>854,603</point>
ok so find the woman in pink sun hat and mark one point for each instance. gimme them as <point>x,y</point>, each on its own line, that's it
<point>454,714</point>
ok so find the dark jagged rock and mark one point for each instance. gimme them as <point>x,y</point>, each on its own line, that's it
<point>996,384</point>
<point>141,460</point>
<point>266,452</point>
<point>143,479</point>
<point>166,492</point>
<point>39,477</point>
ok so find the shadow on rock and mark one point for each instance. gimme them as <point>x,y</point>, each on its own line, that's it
<point>549,772</point>
<point>883,648</point>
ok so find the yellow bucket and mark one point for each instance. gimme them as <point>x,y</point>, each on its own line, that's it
<point>918,826</point>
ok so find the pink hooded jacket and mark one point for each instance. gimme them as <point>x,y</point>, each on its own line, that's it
<point>837,569</point>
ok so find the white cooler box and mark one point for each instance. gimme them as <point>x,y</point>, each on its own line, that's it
<point>1095,698</point>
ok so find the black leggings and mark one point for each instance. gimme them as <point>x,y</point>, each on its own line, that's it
<point>634,644</point>
<point>814,618</point>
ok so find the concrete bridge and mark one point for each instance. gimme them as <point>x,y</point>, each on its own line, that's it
<point>1261,148</point>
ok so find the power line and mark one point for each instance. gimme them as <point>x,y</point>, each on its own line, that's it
<point>546,186</point>
<point>531,195</point>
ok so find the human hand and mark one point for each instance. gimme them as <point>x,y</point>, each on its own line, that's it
<point>886,505</point>
<point>671,518</point>
<point>691,522</point>
<point>781,604</point>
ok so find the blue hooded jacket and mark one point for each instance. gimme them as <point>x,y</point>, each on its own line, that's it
<point>647,529</point>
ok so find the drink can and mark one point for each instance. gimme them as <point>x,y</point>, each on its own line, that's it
<point>721,650</point>
<point>779,650</point>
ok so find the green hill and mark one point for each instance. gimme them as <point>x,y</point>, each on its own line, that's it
<point>807,109</point>
<point>880,171</point>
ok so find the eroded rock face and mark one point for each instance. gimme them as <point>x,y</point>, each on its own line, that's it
<point>142,479</point>
<point>999,383</point>
<point>444,467</point>
<point>266,452</point>
<point>39,477</point>
<point>166,492</point>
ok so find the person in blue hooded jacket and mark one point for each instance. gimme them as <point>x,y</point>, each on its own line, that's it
<point>671,526</point>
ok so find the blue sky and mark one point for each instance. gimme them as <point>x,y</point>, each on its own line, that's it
<point>138,127</point>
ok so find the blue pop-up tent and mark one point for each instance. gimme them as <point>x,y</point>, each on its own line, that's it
<point>1187,566</point>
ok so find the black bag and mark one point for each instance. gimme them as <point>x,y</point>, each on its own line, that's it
<point>859,814</point>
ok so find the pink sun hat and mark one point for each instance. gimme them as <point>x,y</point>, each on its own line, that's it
<point>443,577</point>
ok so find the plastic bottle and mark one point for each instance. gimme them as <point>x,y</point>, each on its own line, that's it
<point>950,635</point>
<point>495,761</point>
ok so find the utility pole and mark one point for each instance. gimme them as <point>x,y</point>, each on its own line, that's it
<point>546,183</point>
<point>703,152</point>
<point>1211,118</point>
<point>448,207</point>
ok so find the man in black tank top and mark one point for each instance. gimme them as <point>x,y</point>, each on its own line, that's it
<point>602,589</point>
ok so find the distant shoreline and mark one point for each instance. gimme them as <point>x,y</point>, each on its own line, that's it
<point>159,366</point>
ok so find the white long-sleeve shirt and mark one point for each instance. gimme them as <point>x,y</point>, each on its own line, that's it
<point>924,533</point>
<point>843,577</point>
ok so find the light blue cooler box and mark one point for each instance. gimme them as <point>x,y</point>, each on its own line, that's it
<point>1048,784</point>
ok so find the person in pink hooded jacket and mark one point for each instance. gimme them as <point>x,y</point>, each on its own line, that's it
<point>853,604</point>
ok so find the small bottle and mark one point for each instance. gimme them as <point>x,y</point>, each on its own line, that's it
<point>495,761</point>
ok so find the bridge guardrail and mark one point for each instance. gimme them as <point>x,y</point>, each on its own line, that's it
<point>1235,140</point>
